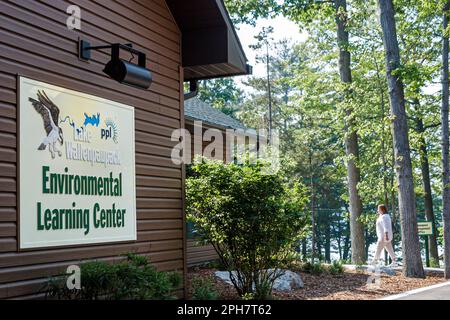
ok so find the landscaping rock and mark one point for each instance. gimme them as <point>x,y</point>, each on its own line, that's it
<point>385,270</point>
<point>382,269</point>
<point>288,281</point>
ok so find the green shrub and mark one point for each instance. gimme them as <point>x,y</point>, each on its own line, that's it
<point>253,219</point>
<point>434,263</point>
<point>134,278</point>
<point>313,268</point>
<point>213,264</point>
<point>305,266</point>
<point>317,268</point>
<point>336,267</point>
<point>247,296</point>
<point>203,289</point>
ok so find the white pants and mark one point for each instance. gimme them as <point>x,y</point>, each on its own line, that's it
<point>387,245</point>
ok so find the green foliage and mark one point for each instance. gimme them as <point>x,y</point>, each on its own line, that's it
<point>134,278</point>
<point>318,268</point>
<point>434,263</point>
<point>253,219</point>
<point>247,296</point>
<point>137,260</point>
<point>313,119</point>
<point>203,289</point>
<point>336,267</point>
<point>440,235</point>
<point>215,264</point>
<point>313,268</point>
<point>223,94</point>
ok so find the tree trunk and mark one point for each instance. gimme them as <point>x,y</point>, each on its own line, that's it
<point>328,242</point>
<point>304,249</point>
<point>346,243</point>
<point>313,218</point>
<point>367,242</point>
<point>351,140</point>
<point>339,247</point>
<point>427,198</point>
<point>269,89</point>
<point>338,233</point>
<point>393,204</point>
<point>445,145</point>
<point>319,246</point>
<point>412,261</point>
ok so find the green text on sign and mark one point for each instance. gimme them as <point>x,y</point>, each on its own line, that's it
<point>425,228</point>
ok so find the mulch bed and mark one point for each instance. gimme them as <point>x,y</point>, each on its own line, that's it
<point>351,285</point>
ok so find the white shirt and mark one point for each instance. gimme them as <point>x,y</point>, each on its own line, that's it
<point>384,225</point>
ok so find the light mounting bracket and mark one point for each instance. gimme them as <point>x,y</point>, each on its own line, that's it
<point>135,75</point>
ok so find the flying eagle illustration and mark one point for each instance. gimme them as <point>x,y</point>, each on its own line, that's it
<point>50,114</point>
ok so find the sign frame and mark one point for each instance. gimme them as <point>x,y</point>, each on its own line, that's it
<point>425,234</point>
<point>19,77</point>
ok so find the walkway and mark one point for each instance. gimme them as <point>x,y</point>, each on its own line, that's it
<point>439,291</point>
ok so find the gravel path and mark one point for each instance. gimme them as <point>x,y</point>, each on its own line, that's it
<point>351,285</point>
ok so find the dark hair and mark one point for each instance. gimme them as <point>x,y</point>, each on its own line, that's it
<point>382,208</point>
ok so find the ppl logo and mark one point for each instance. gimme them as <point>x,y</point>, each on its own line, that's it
<point>110,132</point>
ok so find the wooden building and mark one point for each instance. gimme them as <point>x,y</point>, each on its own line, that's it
<point>197,111</point>
<point>208,117</point>
<point>183,41</point>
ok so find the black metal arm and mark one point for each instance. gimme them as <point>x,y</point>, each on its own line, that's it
<point>85,51</point>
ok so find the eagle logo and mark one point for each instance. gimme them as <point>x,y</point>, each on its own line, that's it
<point>50,115</point>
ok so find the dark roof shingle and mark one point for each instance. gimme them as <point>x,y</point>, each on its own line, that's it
<point>196,109</point>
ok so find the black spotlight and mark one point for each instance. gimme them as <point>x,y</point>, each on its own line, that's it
<point>136,75</point>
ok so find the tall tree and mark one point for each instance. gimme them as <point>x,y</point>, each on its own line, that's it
<point>264,41</point>
<point>304,11</point>
<point>412,262</point>
<point>420,65</point>
<point>445,141</point>
<point>223,94</point>
<point>351,139</point>
<point>427,197</point>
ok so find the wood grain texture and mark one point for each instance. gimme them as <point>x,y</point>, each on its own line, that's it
<point>198,254</point>
<point>35,43</point>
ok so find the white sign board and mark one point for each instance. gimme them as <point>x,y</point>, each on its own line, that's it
<point>425,228</point>
<point>76,167</point>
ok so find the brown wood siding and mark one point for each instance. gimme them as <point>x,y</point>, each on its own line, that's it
<point>198,254</point>
<point>190,127</point>
<point>35,42</point>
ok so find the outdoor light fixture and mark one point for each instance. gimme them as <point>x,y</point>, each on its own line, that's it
<point>135,75</point>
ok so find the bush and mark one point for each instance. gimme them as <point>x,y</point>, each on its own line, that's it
<point>203,289</point>
<point>434,263</point>
<point>252,219</point>
<point>336,267</point>
<point>133,279</point>
<point>214,264</point>
<point>248,296</point>
<point>318,268</point>
<point>313,268</point>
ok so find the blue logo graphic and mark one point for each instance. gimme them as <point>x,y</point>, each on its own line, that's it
<point>92,120</point>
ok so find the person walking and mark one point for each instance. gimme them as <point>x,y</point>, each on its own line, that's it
<point>384,234</point>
